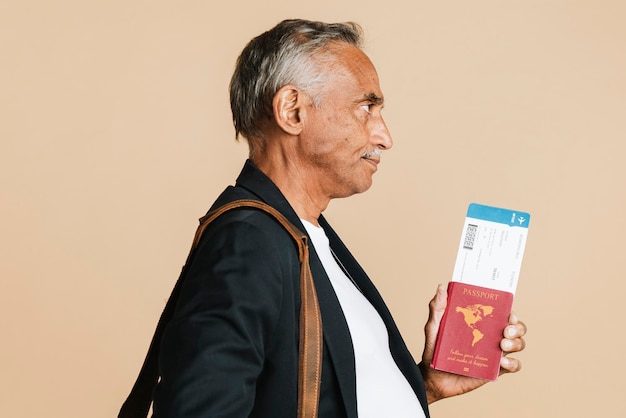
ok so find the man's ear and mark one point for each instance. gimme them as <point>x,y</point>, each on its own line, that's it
<point>288,107</point>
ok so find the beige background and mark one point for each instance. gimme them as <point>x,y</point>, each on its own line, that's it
<point>116,136</point>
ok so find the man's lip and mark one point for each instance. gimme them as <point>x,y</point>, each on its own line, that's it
<point>373,160</point>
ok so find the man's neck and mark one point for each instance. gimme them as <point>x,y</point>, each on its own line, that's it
<point>291,178</point>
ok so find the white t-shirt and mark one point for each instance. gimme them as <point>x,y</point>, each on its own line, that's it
<point>381,388</point>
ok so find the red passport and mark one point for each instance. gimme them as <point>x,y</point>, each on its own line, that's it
<point>471,329</point>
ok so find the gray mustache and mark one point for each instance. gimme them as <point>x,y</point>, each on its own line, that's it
<point>375,153</point>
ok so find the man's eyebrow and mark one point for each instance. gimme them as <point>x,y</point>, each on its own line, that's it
<point>374,98</point>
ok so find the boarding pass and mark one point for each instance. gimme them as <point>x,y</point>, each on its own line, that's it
<point>491,248</point>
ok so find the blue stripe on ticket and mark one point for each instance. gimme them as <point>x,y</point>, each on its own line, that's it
<point>499,215</point>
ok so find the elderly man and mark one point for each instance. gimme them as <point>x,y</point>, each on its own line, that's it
<point>307,100</point>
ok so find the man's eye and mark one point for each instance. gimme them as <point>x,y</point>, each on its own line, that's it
<point>367,107</point>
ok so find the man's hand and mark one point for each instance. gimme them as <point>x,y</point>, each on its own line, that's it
<point>441,385</point>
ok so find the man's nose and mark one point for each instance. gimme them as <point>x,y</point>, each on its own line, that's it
<point>382,136</point>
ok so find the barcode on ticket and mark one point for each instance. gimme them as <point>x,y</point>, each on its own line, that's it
<point>470,236</point>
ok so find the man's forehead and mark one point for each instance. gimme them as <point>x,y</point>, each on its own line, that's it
<point>347,67</point>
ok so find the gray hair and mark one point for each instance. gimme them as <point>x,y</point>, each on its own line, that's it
<point>281,56</point>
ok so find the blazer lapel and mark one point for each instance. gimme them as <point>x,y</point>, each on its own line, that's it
<point>399,351</point>
<point>336,335</point>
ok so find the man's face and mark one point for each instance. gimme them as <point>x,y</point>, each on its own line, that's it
<point>344,134</point>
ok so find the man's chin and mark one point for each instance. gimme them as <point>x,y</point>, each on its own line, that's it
<point>356,189</point>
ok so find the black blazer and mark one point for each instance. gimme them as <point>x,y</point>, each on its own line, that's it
<point>231,348</point>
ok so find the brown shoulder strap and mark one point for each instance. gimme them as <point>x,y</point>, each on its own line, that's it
<point>138,402</point>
